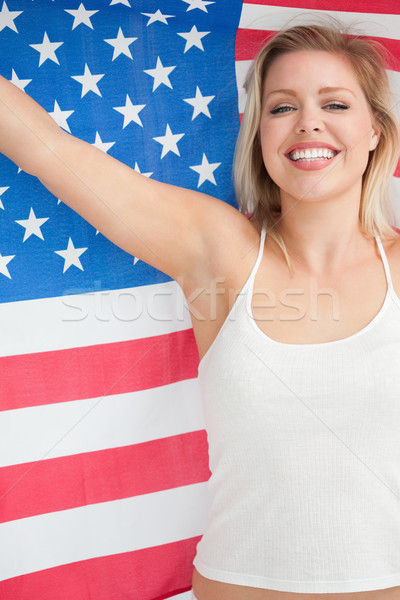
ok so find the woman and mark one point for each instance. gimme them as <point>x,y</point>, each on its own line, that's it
<point>300,394</point>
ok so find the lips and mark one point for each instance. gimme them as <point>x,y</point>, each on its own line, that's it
<point>311,156</point>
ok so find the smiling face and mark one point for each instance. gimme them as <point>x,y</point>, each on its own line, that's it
<point>316,127</point>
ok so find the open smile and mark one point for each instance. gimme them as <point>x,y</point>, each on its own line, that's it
<point>311,158</point>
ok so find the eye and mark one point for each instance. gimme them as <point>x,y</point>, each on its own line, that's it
<point>336,106</point>
<point>281,109</point>
<point>286,108</point>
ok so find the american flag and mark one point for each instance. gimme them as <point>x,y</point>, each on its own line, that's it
<point>103,453</point>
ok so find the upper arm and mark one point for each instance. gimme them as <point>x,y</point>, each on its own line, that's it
<point>166,226</point>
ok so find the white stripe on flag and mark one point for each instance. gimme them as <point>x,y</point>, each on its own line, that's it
<point>394,80</point>
<point>242,67</point>
<point>258,16</point>
<point>67,428</point>
<point>53,539</point>
<point>94,318</point>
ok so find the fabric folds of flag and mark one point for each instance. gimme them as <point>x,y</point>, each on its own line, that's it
<point>103,453</point>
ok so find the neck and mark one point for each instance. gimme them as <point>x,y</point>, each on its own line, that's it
<point>321,237</point>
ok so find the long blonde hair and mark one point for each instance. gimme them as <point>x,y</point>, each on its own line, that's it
<point>256,192</point>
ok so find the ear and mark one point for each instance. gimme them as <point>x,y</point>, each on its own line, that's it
<point>375,135</point>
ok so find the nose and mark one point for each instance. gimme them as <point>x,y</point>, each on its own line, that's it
<point>309,120</point>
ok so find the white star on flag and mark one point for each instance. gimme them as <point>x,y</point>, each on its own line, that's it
<point>47,50</point>
<point>121,44</point>
<point>103,146</point>
<point>125,2</point>
<point>4,260</point>
<point>7,18</point>
<point>130,112</point>
<point>200,104</point>
<point>32,225</point>
<point>137,171</point>
<point>2,190</point>
<point>169,141</point>
<point>71,256</point>
<point>206,170</point>
<point>81,16</point>
<point>157,16</point>
<point>61,116</point>
<point>88,81</point>
<point>193,38</point>
<point>21,83</point>
<point>201,4</point>
<point>160,74</point>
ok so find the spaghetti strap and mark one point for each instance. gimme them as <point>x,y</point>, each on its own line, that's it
<point>385,262</point>
<point>260,254</point>
<point>248,288</point>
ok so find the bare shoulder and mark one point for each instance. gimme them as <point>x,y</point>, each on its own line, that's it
<point>228,239</point>
<point>229,247</point>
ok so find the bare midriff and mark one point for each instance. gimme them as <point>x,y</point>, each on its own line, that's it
<point>207,589</point>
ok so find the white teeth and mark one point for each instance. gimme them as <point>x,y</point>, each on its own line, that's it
<point>312,154</point>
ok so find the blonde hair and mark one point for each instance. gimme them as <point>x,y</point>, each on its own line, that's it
<point>256,192</point>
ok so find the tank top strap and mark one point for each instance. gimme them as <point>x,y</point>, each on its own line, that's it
<point>261,251</point>
<point>250,280</point>
<point>385,262</point>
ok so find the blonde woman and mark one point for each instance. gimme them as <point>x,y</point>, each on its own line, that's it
<point>299,327</point>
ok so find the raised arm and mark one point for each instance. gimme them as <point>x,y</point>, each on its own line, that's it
<point>171,228</point>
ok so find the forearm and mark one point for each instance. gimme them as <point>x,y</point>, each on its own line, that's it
<point>26,129</point>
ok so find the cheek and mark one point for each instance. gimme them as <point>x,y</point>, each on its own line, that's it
<point>358,144</point>
<point>270,144</point>
<point>357,135</point>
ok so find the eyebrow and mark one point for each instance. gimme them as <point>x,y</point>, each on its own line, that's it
<point>323,90</point>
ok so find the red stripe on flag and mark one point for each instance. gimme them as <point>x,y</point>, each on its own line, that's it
<point>96,371</point>
<point>68,482</point>
<point>159,573</point>
<point>250,41</point>
<point>390,7</point>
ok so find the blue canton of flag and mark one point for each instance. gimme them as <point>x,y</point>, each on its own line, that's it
<point>152,86</point>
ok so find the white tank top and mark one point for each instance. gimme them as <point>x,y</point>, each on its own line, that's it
<point>304,447</point>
